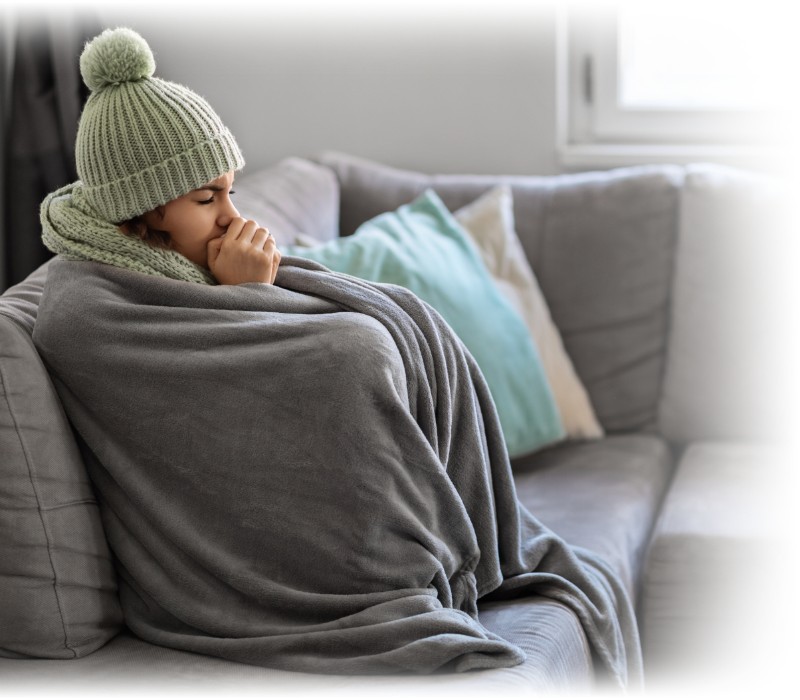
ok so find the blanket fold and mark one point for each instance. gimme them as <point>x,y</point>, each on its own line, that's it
<point>308,475</point>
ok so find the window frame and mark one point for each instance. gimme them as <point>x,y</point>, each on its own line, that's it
<point>593,131</point>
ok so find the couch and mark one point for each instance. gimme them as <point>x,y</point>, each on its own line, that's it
<point>654,287</point>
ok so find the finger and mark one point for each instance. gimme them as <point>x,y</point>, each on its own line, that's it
<point>276,261</point>
<point>234,228</point>
<point>248,231</point>
<point>212,250</point>
<point>260,238</point>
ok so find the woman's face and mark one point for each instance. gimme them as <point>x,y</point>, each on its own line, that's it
<point>196,218</point>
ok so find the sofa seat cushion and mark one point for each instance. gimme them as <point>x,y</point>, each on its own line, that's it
<point>558,659</point>
<point>603,495</point>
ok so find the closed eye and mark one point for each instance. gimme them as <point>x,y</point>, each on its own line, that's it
<point>211,198</point>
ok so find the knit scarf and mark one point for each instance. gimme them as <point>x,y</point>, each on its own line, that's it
<point>73,230</point>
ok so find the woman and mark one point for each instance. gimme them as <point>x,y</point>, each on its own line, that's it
<point>155,160</point>
<point>296,468</point>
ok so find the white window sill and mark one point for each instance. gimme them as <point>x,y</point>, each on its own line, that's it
<point>621,155</point>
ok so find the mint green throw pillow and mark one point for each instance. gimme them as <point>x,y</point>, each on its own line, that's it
<point>422,247</point>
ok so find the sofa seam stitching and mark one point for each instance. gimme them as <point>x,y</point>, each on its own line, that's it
<point>680,186</point>
<point>28,462</point>
<point>83,502</point>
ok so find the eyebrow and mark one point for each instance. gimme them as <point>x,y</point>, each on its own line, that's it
<point>211,186</point>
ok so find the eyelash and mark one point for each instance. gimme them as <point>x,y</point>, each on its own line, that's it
<point>211,198</point>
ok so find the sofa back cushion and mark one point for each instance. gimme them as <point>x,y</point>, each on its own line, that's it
<point>731,353</point>
<point>602,248</point>
<point>291,198</point>
<point>58,596</point>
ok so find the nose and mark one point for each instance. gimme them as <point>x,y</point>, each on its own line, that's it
<point>228,213</point>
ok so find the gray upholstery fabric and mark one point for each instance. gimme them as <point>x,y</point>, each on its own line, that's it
<point>58,596</point>
<point>21,302</point>
<point>602,247</point>
<point>603,495</point>
<point>294,196</point>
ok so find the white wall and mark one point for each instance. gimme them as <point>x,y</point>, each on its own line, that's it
<point>431,87</point>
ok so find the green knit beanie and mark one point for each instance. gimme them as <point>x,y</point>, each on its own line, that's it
<point>143,141</point>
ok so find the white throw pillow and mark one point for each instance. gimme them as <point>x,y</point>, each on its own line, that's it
<point>490,222</point>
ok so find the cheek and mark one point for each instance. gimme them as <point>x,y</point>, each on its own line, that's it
<point>191,226</point>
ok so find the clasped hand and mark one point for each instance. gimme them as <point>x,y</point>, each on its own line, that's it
<point>245,253</point>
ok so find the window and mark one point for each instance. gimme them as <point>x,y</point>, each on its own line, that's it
<point>678,81</point>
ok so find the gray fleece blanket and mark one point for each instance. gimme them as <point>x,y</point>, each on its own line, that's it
<point>309,476</point>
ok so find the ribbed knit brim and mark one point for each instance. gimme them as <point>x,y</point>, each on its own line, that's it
<point>145,141</point>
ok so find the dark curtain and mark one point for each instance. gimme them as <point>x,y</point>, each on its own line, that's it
<point>47,95</point>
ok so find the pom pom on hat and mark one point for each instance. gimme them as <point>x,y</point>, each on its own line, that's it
<point>116,56</point>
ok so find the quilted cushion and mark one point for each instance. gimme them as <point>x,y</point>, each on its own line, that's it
<point>58,596</point>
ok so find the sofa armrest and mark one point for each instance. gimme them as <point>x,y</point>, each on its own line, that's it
<point>713,546</point>
<point>21,302</point>
<point>58,591</point>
